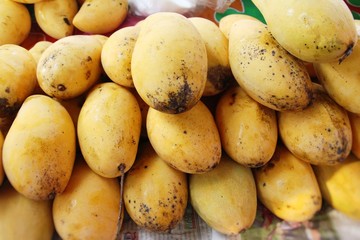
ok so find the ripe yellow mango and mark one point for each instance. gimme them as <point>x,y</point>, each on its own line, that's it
<point>227,21</point>
<point>17,78</point>
<point>188,141</point>
<point>341,81</point>
<point>287,186</point>
<point>108,128</point>
<point>100,16</point>
<point>313,31</point>
<point>339,185</point>
<point>319,134</point>
<point>24,218</point>
<point>225,198</point>
<point>116,55</point>
<point>169,63</point>
<point>265,70</point>
<point>155,194</point>
<point>55,17</point>
<point>15,22</point>
<point>89,208</point>
<point>39,148</point>
<point>70,66</point>
<point>248,129</point>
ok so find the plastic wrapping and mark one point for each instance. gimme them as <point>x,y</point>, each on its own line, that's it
<point>186,7</point>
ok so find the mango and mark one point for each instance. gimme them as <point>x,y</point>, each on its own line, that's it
<point>248,129</point>
<point>188,141</point>
<point>155,194</point>
<point>339,185</point>
<point>169,63</point>
<point>39,148</point>
<point>265,70</point>
<point>321,31</point>
<point>225,198</point>
<point>17,78</point>
<point>24,218</point>
<point>89,208</point>
<point>319,134</point>
<point>287,186</point>
<point>108,129</point>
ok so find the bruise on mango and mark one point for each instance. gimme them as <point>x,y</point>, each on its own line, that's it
<point>255,165</point>
<point>269,165</point>
<point>7,109</point>
<point>177,102</point>
<point>61,87</point>
<point>219,78</point>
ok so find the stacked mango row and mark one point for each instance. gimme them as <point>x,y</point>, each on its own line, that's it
<point>175,111</point>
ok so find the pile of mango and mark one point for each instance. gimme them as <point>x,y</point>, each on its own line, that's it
<point>174,111</point>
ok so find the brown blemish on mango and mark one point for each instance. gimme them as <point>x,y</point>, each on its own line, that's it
<point>7,109</point>
<point>48,185</point>
<point>67,21</point>
<point>122,167</point>
<point>220,77</point>
<point>61,87</point>
<point>255,165</point>
<point>177,102</point>
<point>316,200</point>
<point>233,99</point>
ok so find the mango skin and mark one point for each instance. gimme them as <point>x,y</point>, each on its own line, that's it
<point>219,74</point>
<point>24,218</point>
<point>16,22</point>
<point>100,16</point>
<point>320,32</point>
<point>265,70</point>
<point>227,21</point>
<point>357,25</point>
<point>169,63</point>
<point>155,194</point>
<point>116,55</point>
<point>355,129</point>
<point>55,17</point>
<point>188,141</point>
<point>17,78</point>
<point>70,66</point>
<point>225,198</point>
<point>339,185</point>
<point>108,129</point>
<point>341,81</point>
<point>287,186</point>
<point>248,129</point>
<point>89,208</point>
<point>2,173</point>
<point>319,134</point>
<point>39,149</point>
<point>38,48</point>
